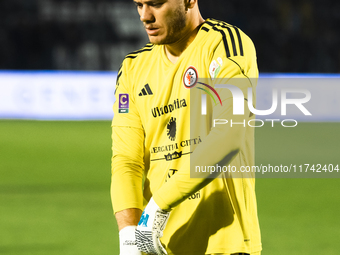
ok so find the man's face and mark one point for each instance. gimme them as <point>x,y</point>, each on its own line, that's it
<point>164,20</point>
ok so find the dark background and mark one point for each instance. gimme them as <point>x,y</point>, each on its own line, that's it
<point>290,36</point>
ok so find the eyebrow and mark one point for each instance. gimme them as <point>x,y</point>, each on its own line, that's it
<point>149,2</point>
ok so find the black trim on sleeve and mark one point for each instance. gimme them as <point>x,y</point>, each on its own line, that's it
<point>148,47</point>
<point>225,25</point>
<point>232,40</point>
<point>225,42</point>
<point>228,26</point>
<point>205,29</point>
<point>137,52</point>
<point>118,76</point>
<point>224,37</point>
<point>239,41</point>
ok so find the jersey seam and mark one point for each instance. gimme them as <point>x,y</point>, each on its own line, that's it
<point>127,127</point>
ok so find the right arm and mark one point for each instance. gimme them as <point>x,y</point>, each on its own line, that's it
<point>127,171</point>
<point>127,167</point>
<point>128,217</point>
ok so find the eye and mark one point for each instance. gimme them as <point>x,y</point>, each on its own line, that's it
<point>157,5</point>
<point>139,5</point>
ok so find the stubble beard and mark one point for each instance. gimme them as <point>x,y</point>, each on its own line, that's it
<point>176,27</point>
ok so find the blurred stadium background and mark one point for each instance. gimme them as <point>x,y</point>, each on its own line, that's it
<point>58,61</point>
<point>290,36</point>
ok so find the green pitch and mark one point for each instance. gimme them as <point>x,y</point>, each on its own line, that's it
<point>55,177</point>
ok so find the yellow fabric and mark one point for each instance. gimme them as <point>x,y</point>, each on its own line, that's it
<point>255,253</point>
<point>208,215</point>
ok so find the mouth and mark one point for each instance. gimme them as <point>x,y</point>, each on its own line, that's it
<point>152,30</point>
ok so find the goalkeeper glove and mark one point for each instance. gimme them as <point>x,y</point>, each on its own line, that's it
<point>127,241</point>
<point>150,229</point>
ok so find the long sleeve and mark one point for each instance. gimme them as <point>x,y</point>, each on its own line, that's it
<point>127,149</point>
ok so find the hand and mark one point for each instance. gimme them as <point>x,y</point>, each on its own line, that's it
<point>127,241</point>
<point>150,229</point>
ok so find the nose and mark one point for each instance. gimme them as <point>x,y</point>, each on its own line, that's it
<point>146,15</point>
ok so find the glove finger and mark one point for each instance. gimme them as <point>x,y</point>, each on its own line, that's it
<point>159,247</point>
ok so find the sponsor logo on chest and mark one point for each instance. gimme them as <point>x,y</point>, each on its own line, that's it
<point>163,110</point>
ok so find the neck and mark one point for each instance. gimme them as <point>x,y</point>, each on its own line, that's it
<point>175,50</point>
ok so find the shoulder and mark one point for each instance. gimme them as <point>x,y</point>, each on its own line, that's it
<point>141,52</point>
<point>233,41</point>
<point>135,58</point>
<point>139,55</point>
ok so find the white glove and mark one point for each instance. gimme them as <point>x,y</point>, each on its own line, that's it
<point>150,229</point>
<point>127,241</point>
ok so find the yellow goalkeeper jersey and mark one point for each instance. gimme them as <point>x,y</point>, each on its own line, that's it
<point>160,131</point>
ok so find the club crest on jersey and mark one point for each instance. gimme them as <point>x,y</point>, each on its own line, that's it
<point>190,77</point>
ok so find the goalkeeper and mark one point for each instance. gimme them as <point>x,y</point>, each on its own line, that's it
<point>161,130</point>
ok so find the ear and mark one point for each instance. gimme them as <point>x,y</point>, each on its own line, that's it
<point>189,4</point>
